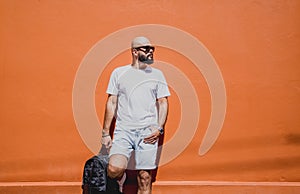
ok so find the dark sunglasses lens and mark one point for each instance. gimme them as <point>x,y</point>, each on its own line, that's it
<point>146,48</point>
<point>150,48</point>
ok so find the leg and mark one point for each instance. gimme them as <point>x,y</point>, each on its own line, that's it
<point>116,166</point>
<point>145,158</point>
<point>144,182</point>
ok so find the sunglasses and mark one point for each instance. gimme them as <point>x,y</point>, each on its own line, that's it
<point>145,49</point>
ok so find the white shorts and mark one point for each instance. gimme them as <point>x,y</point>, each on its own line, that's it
<point>126,142</point>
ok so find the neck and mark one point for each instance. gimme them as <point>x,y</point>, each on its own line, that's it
<point>139,65</point>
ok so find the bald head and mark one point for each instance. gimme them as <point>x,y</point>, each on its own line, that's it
<point>140,41</point>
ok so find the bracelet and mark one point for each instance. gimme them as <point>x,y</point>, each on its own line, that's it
<point>105,135</point>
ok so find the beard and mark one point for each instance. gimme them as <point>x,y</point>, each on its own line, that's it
<point>148,59</point>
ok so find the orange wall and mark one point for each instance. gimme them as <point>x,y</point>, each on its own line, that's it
<point>255,43</point>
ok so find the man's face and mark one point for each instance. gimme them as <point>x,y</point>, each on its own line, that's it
<point>145,54</point>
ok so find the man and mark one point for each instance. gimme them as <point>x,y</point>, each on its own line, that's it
<point>137,93</point>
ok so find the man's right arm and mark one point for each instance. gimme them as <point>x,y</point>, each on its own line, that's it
<point>111,105</point>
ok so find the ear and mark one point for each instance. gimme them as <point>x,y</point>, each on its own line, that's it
<point>134,52</point>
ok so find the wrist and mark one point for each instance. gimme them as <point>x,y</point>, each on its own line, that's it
<point>105,132</point>
<point>160,130</point>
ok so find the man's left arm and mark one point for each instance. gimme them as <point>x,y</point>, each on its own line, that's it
<point>162,111</point>
<point>162,116</point>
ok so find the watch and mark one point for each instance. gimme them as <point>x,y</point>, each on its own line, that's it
<point>161,131</point>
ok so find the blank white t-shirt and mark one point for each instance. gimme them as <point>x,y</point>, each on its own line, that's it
<point>137,92</point>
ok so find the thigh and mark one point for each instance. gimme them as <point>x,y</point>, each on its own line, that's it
<point>145,153</point>
<point>118,161</point>
<point>122,144</point>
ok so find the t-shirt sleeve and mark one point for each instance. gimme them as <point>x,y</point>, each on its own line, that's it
<point>112,87</point>
<point>162,88</point>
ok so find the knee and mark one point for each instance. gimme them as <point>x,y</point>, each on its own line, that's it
<point>114,172</point>
<point>144,177</point>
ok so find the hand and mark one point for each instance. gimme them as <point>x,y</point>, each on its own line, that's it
<point>106,141</point>
<point>152,138</point>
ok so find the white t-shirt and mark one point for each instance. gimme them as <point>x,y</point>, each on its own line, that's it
<point>137,92</point>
